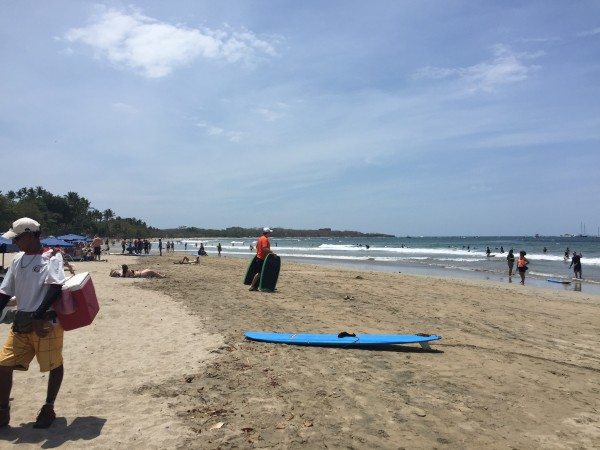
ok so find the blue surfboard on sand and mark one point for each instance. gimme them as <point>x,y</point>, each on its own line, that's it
<point>342,340</point>
<point>553,280</point>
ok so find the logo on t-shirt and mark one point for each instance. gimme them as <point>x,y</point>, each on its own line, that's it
<point>37,269</point>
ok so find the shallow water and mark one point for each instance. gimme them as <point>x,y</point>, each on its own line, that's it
<point>456,257</point>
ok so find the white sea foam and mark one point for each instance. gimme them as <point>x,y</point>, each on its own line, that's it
<point>403,250</point>
<point>353,258</point>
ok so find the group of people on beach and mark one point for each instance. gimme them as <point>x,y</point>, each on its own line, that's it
<point>33,282</point>
<point>523,262</point>
<point>136,246</point>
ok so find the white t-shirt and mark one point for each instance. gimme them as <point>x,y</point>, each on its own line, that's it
<point>29,276</point>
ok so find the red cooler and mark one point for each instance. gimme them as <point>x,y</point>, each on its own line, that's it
<point>78,305</point>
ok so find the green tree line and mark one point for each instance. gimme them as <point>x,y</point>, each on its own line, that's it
<point>184,232</point>
<point>72,213</point>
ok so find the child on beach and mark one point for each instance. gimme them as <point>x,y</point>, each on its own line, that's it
<point>522,265</point>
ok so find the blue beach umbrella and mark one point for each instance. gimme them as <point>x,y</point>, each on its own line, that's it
<point>52,241</point>
<point>6,246</point>
<point>73,238</point>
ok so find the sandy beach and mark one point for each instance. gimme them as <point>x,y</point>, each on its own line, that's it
<point>165,364</point>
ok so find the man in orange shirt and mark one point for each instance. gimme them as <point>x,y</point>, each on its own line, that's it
<point>263,248</point>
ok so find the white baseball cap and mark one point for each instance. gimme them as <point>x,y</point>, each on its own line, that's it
<point>267,230</point>
<point>20,226</point>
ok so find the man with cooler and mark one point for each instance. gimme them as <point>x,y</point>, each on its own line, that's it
<point>35,277</point>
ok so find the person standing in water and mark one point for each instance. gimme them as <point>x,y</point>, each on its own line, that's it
<point>522,265</point>
<point>510,259</point>
<point>219,248</point>
<point>576,264</point>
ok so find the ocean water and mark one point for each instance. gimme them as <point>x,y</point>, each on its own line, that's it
<point>462,257</point>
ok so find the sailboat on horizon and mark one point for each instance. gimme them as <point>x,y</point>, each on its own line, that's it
<point>582,229</point>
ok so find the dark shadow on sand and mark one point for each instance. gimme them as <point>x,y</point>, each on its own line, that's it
<point>82,428</point>
<point>378,348</point>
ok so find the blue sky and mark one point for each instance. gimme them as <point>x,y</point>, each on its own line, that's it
<point>405,117</point>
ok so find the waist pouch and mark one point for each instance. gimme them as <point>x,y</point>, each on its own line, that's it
<point>23,322</point>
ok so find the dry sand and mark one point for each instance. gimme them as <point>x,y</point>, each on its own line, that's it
<point>518,366</point>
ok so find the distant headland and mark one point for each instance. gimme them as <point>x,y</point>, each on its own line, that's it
<point>183,232</point>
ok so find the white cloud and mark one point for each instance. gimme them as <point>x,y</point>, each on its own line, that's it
<point>274,112</point>
<point>591,32</point>
<point>212,130</point>
<point>268,114</point>
<point>155,48</point>
<point>124,107</point>
<point>540,39</point>
<point>506,67</point>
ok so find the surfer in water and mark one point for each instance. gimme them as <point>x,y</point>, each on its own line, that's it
<point>576,264</point>
<point>522,265</point>
<point>263,248</point>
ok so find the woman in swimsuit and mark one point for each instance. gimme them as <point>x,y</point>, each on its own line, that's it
<point>522,265</point>
<point>126,272</point>
<point>510,259</point>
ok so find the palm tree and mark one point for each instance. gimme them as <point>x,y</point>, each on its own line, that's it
<point>108,215</point>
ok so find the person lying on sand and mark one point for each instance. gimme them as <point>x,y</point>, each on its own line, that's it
<point>126,272</point>
<point>186,260</point>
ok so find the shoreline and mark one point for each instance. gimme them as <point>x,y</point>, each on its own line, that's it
<point>584,286</point>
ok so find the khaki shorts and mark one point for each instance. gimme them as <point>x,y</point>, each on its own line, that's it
<point>20,348</point>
